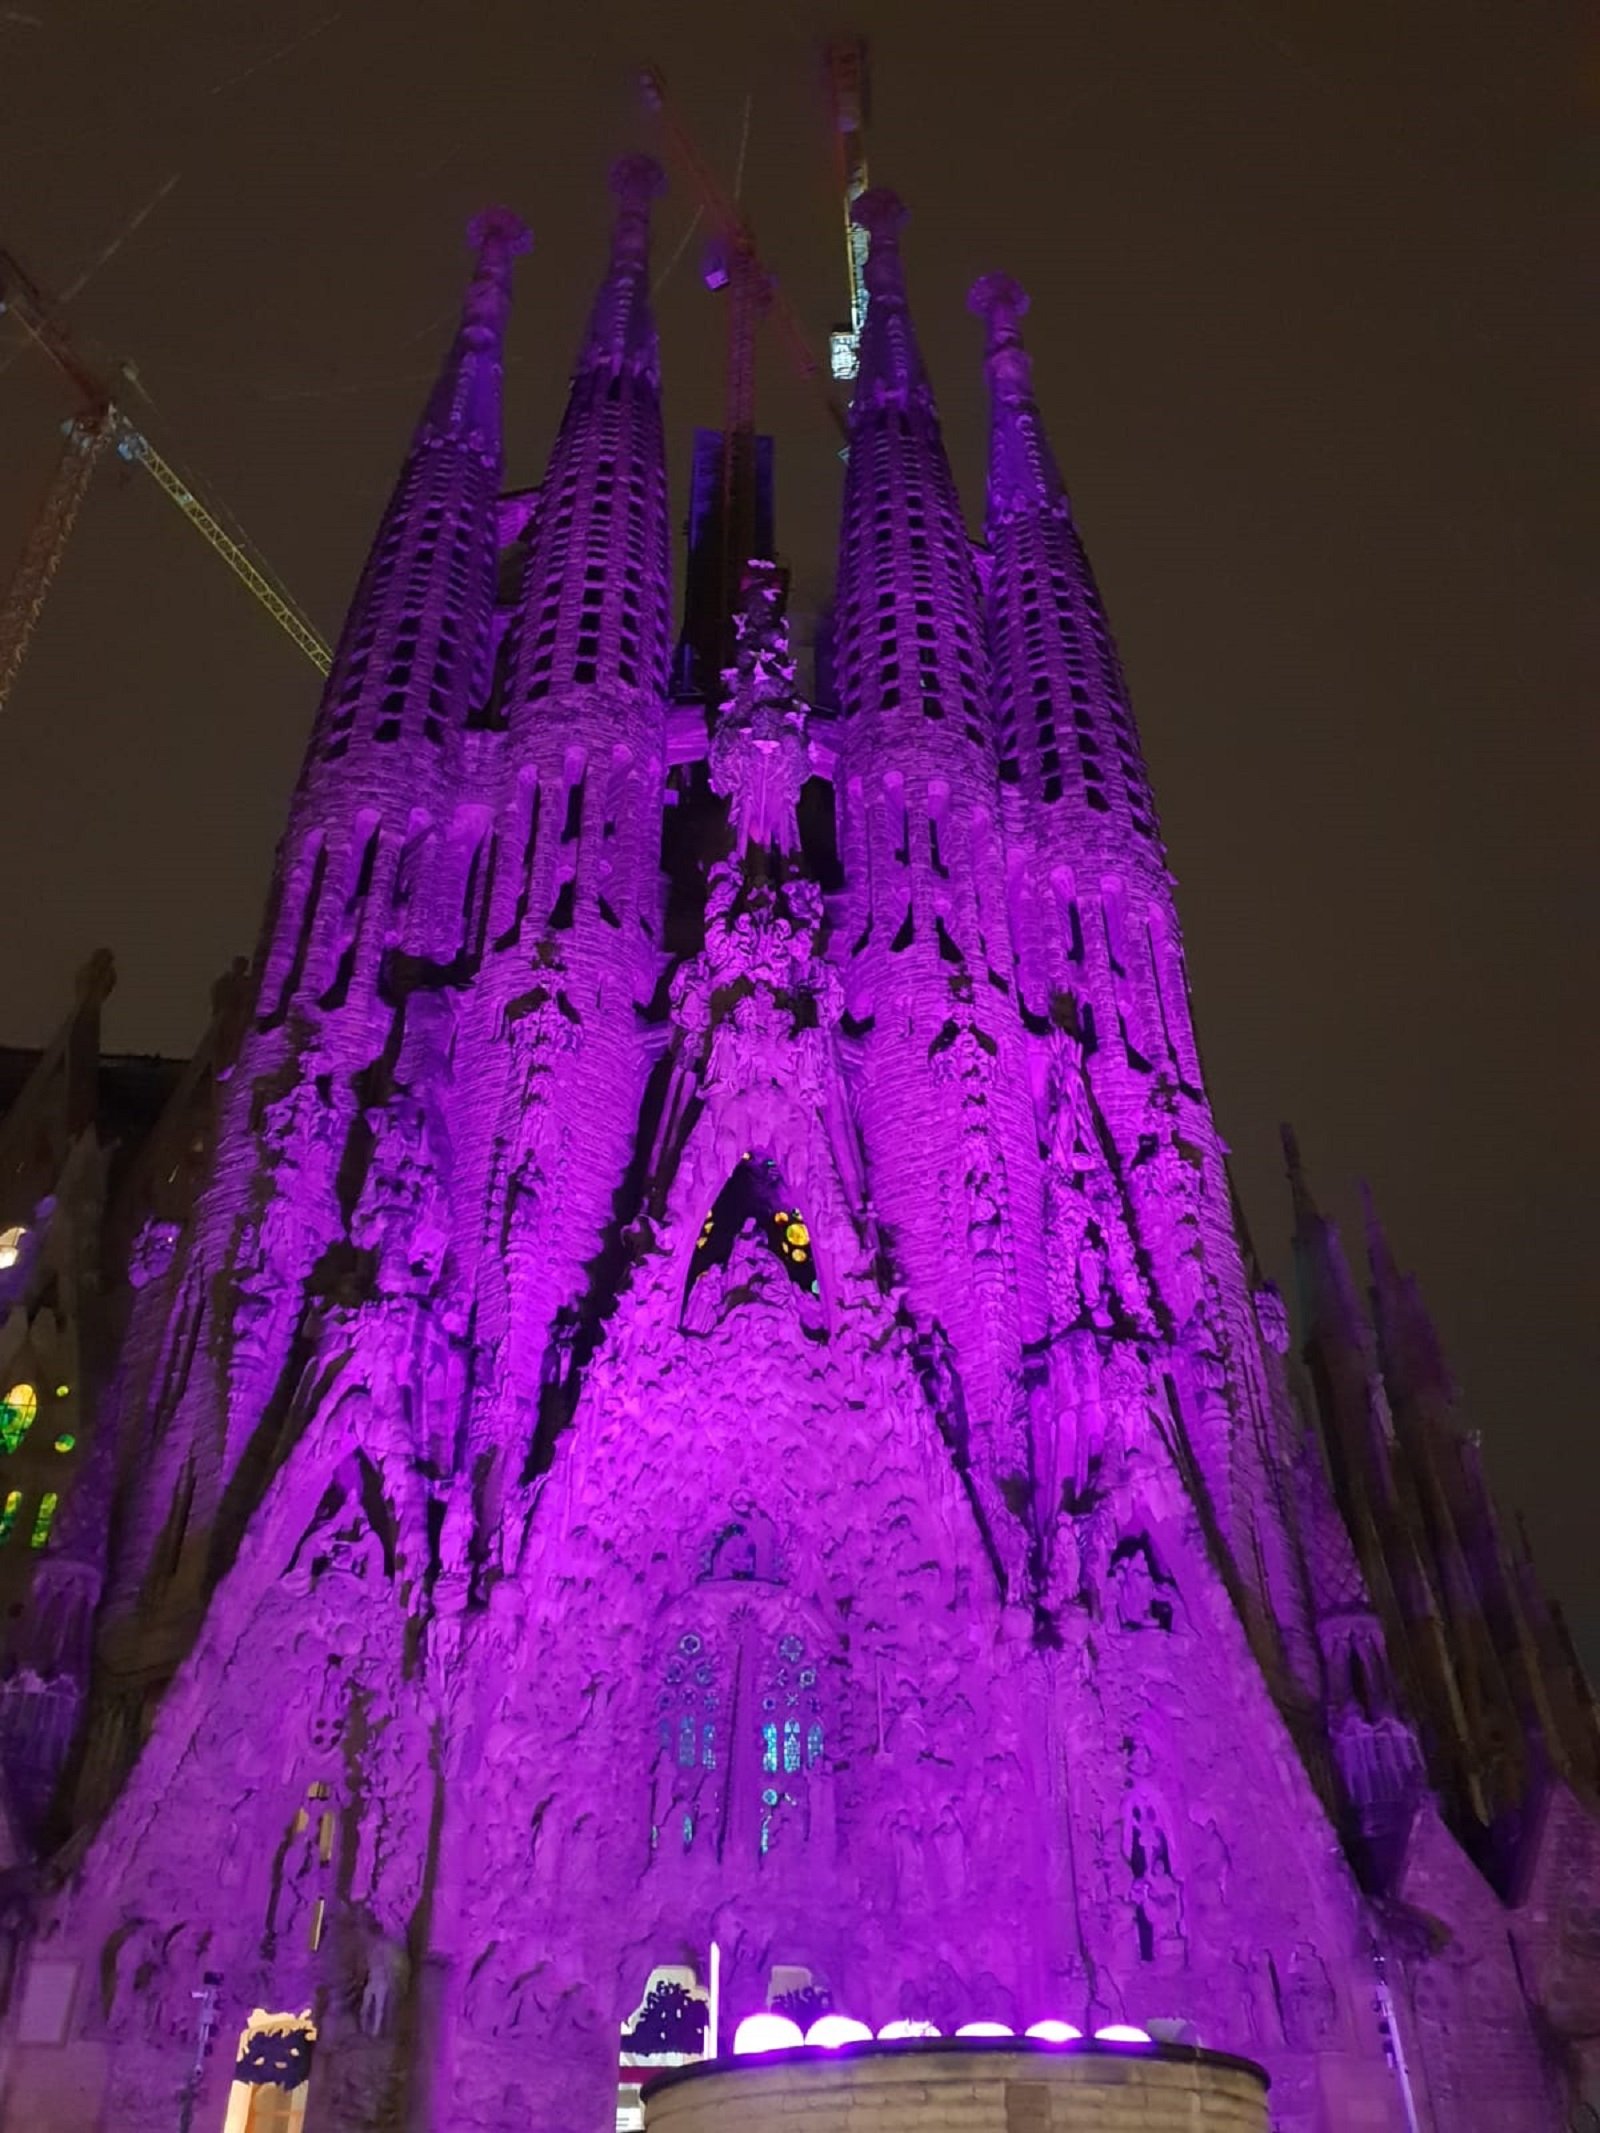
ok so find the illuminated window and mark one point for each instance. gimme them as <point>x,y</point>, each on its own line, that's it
<point>792,1740</point>
<point>17,1411</point>
<point>11,1247</point>
<point>8,1514</point>
<point>43,1518</point>
<point>65,1441</point>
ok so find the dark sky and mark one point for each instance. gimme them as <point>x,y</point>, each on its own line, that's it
<point>1308,327</point>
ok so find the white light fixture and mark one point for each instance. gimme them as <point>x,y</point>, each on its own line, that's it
<point>985,2029</point>
<point>1054,2032</point>
<point>832,2030</point>
<point>766,2033</point>
<point>897,2032</point>
<point>1122,2033</point>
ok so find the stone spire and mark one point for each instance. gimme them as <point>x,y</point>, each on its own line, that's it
<point>413,660</point>
<point>464,409</point>
<point>1066,728</point>
<point>890,372</point>
<point>1408,1341</point>
<point>911,659</point>
<point>594,611</point>
<point>622,327</point>
<point>1023,475</point>
<point>1330,1305</point>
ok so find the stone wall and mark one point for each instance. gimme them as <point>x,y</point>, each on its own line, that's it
<point>945,2089</point>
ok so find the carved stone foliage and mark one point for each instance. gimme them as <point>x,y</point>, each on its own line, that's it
<point>1096,1277</point>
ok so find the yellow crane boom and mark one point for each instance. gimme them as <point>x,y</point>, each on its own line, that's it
<point>134,445</point>
<point>101,422</point>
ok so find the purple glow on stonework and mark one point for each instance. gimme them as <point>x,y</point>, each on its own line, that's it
<point>800,1456</point>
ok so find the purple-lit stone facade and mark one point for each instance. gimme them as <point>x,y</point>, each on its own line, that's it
<point>759,1435</point>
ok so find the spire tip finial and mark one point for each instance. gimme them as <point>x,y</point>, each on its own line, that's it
<point>1000,299</point>
<point>1299,1190</point>
<point>636,180</point>
<point>502,227</point>
<point>1002,304</point>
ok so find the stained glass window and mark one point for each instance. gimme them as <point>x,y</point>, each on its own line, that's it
<point>43,1518</point>
<point>11,1247</point>
<point>792,1735</point>
<point>17,1411</point>
<point>687,1735</point>
<point>8,1514</point>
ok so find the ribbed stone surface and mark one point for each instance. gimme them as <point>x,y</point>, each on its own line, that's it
<point>951,2090</point>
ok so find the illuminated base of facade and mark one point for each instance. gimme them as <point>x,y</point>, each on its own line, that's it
<point>960,2086</point>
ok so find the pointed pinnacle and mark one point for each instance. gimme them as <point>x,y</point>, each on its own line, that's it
<point>1002,304</point>
<point>622,333</point>
<point>498,235</point>
<point>636,181</point>
<point>1380,1258</point>
<point>882,214</point>
<point>1305,1207</point>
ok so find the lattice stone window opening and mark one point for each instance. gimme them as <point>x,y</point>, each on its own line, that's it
<point>792,1736</point>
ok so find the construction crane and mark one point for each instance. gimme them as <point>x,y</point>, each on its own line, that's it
<point>845,60</point>
<point>100,422</point>
<point>752,293</point>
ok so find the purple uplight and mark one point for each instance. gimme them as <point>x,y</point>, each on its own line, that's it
<point>897,2032</point>
<point>1051,2032</point>
<point>1122,2033</point>
<point>985,2029</point>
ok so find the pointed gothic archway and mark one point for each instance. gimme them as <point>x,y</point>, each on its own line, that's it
<point>754,1231</point>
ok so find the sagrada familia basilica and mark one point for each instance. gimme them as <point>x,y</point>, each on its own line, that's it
<point>674,1416</point>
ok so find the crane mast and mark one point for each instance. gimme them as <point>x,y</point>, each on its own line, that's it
<point>84,438</point>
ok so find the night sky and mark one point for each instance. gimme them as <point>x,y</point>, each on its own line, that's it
<point>1309,331</point>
